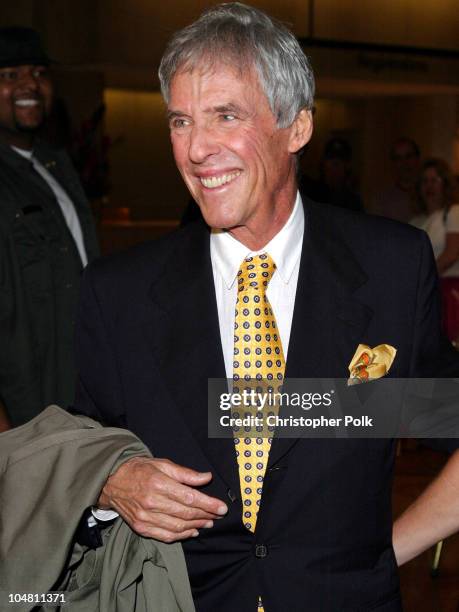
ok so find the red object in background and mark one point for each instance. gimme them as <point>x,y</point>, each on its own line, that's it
<point>450,307</point>
<point>90,155</point>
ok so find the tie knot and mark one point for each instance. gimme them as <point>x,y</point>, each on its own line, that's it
<point>255,273</point>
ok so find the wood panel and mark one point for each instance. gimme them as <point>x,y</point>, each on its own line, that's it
<point>135,33</point>
<point>143,174</point>
<point>430,23</point>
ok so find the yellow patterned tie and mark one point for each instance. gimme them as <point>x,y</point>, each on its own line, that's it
<point>258,356</point>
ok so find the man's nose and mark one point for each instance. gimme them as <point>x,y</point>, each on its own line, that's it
<point>29,81</point>
<point>203,144</point>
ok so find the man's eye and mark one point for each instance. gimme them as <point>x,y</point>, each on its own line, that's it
<point>179,123</point>
<point>40,72</point>
<point>8,75</point>
<point>228,117</point>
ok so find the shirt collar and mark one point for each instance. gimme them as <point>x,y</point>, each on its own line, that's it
<point>26,153</point>
<point>227,253</point>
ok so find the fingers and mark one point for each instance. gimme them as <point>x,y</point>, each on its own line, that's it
<point>189,498</point>
<point>182,511</point>
<point>170,524</point>
<point>183,474</point>
<point>161,477</point>
<point>157,499</point>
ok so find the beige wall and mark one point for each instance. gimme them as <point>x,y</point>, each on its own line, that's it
<point>70,29</point>
<point>143,175</point>
<point>122,33</point>
<point>425,23</point>
<point>20,12</point>
<point>137,31</point>
<point>133,34</point>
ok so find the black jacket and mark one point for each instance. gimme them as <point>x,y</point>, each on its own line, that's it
<point>148,340</point>
<point>40,272</point>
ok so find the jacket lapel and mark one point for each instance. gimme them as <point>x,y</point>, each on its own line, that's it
<point>328,320</point>
<point>186,341</point>
<point>24,166</point>
<point>328,323</point>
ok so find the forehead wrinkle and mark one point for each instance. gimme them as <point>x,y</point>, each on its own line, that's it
<point>208,97</point>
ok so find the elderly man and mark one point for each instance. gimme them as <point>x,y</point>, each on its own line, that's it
<point>47,235</point>
<point>297,524</point>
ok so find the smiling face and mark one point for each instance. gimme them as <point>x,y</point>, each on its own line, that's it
<point>432,189</point>
<point>25,101</point>
<point>238,165</point>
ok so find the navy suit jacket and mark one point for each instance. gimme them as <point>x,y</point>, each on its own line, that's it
<point>148,340</point>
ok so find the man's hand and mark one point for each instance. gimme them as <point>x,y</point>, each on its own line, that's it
<point>158,500</point>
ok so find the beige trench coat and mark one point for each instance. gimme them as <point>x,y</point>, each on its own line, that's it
<point>51,469</point>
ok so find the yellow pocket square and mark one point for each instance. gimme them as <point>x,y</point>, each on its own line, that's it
<point>370,363</point>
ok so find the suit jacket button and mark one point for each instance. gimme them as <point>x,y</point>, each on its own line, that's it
<point>261,551</point>
<point>231,496</point>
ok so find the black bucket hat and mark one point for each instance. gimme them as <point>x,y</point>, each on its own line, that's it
<point>21,46</point>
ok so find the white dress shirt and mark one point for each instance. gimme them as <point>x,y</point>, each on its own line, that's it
<point>438,225</point>
<point>65,203</point>
<point>227,254</point>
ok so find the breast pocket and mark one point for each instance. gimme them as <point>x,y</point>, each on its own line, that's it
<point>33,233</point>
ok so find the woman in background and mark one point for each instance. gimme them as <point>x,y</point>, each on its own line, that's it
<point>438,199</point>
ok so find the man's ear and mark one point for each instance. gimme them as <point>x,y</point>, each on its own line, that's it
<point>300,130</point>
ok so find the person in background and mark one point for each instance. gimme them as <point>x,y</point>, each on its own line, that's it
<point>335,184</point>
<point>438,199</point>
<point>398,201</point>
<point>47,236</point>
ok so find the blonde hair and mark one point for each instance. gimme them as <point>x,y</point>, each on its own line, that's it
<point>450,186</point>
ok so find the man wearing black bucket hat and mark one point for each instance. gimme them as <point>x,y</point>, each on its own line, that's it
<point>46,238</point>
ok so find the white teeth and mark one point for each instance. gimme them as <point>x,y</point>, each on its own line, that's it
<point>26,102</point>
<point>217,181</point>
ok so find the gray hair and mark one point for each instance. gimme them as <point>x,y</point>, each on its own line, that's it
<point>243,36</point>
